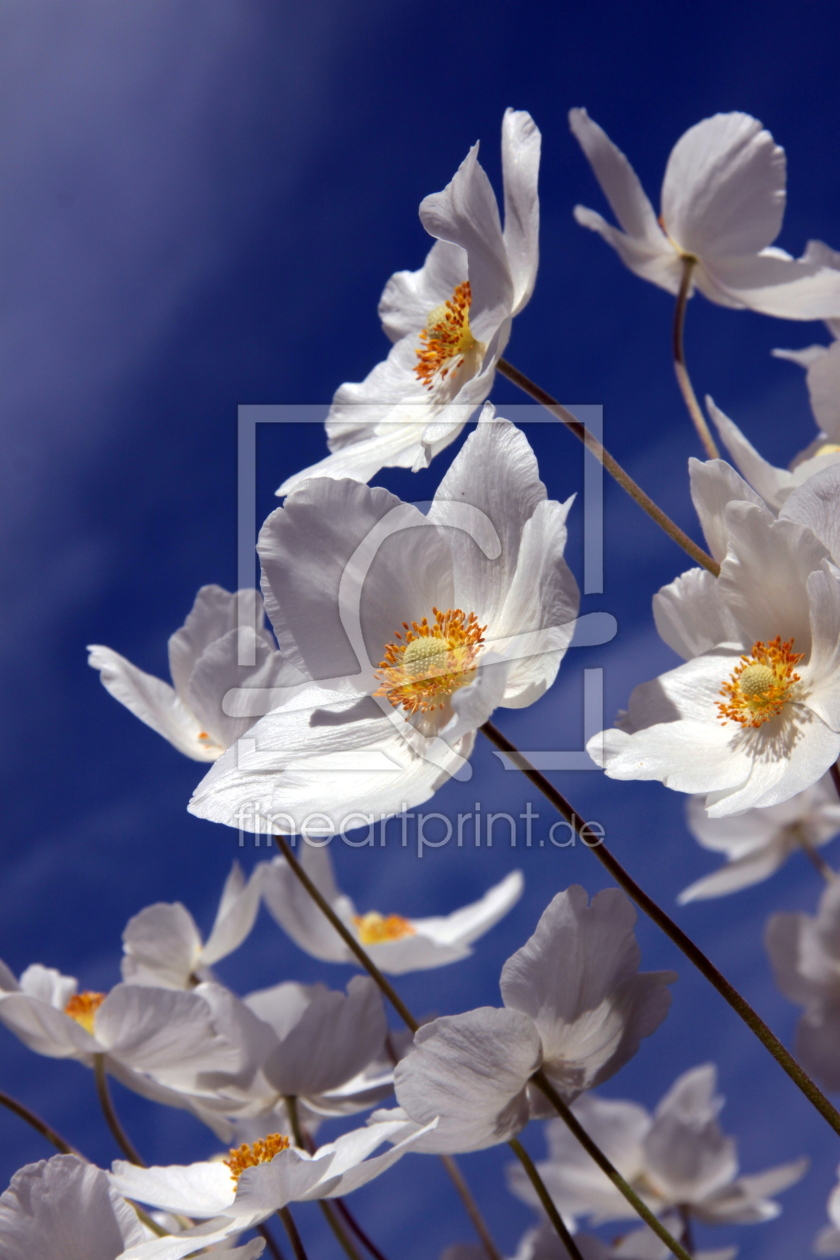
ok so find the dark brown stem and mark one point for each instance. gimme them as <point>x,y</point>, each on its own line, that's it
<point>470,1206</point>
<point>294,1237</point>
<point>368,1243</point>
<point>645,502</point>
<point>835,775</point>
<point>654,912</point>
<point>270,1242</point>
<point>683,378</point>
<point>545,1198</point>
<point>687,1238</point>
<point>326,1208</point>
<point>594,1152</point>
<point>39,1125</point>
<point>120,1136</point>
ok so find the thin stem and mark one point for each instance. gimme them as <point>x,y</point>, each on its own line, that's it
<point>348,938</point>
<point>39,1125</point>
<point>818,862</point>
<point>270,1242</point>
<point>470,1206</point>
<point>344,1211</point>
<point>687,1238</point>
<point>294,1237</point>
<point>683,378</point>
<point>110,1114</point>
<point>835,775</point>
<point>326,1209</point>
<point>545,1198</point>
<point>683,942</point>
<point>595,1153</point>
<point>612,466</point>
<point>408,1019</point>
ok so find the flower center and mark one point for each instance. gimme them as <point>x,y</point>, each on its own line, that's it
<point>760,684</point>
<point>83,1007</point>
<point>374,928</point>
<point>830,448</point>
<point>424,666</point>
<point>446,337</point>
<point>260,1152</point>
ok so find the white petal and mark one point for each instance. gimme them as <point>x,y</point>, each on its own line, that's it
<point>747,1200</point>
<point>737,874</point>
<point>470,1070</point>
<point>227,697</point>
<point>687,1157</point>
<point>714,485</point>
<point>202,1189</point>
<point>691,616</point>
<point>787,288</point>
<point>152,701</point>
<point>155,1029</point>
<point>520,168</point>
<point>47,985</point>
<point>409,296</point>
<point>657,262</point>
<point>724,188</point>
<point>591,1013</point>
<point>815,505</point>
<point>235,917</point>
<point>618,180</point>
<point>466,214</point>
<point>297,914</point>
<point>161,945</point>
<point>351,1165</point>
<point>213,615</point>
<point>772,484</point>
<point>46,1030</point>
<point>823,672</point>
<point>466,925</point>
<point>789,754</point>
<point>824,391</point>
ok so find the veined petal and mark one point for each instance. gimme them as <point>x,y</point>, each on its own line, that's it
<point>814,505</point>
<point>235,917</point>
<point>201,1189</point>
<point>655,261</point>
<point>789,288</point>
<point>714,485</point>
<point>724,188</point>
<point>161,946</point>
<point>619,182</point>
<point>823,673</point>
<point>154,1029</point>
<point>520,167</point>
<point>409,295</point>
<point>690,615</point>
<point>772,484</point>
<point>214,614</point>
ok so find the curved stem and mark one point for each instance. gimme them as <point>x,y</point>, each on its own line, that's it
<point>294,1237</point>
<point>662,920</point>
<point>818,862</point>
<point>408,1019</point>
<point>645,502</point>
<point>683,379</point>
<point>110,1115</point>
<point>326,1208</point>
<point>545,1198</point>
<point>39,1125</point>
<point>594,1152</point>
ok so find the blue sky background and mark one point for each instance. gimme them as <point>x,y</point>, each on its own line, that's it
<point>200,204</point>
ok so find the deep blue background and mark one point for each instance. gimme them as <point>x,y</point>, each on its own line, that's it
<point>200,203</point>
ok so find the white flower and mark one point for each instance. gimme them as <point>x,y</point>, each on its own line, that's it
<point>576,1007</point>
<point>256,1181</point>
<point>450,321</point>
<point>822,363</point>
<point>805,953</point>
<point>776,484</point>
<point>759,841</point>
<point>676,1158</point>
<point>204,659</point>
<point>543,1243</point>
<point>64,1207</point>
<point>753,716</point>
<point>163,946</point>
<point>396,944</point>
<point>413,629</point>
<point>154,1041</point>
<point>827,1241</point>
<point>723,200</point>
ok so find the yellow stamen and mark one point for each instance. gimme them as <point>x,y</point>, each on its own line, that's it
<point>260,1152</point>
<point>420,673</point>
<point>374,928</point>
<point>446,337</point>
<point>761,684</point>
<point>83,1007</point>
<point>829,448</point>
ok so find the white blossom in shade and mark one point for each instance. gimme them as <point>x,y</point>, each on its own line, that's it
<point>396,944</point>
<point>162,945</point>
<point>723,200</point>
<point>676,1158</point>
<point>204,660</point>
<point>258,1180</point>
<point>759,841</point>
<point>752,717</point>
<point>822,363</point>
<point>64,1207</point>
<point>412,627</point>
<point>449,322</point>
<point>154,1041</point>
<point>774,485</point>
<point>827,1241</point>
<point>805,953</point>
<point>575,1006</point>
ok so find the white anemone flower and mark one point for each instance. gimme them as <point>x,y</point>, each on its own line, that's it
<point>759,841</point>
<point>412,627</point>
<point>677,1158</point>
<point>822,363</point>
<point>827,1241</point>
<point>65,1207</point>
<point>154,1041</point>
<point>396,944</point>
<point>575,1006</point>
<point>257,1180</point>
<point>163,946</point>
<point>543,1243</point>
<point>723,200</point>
<point>204,663</point>
<point>450,321</point>
<point>805,953</point>
<point>753,716</point>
